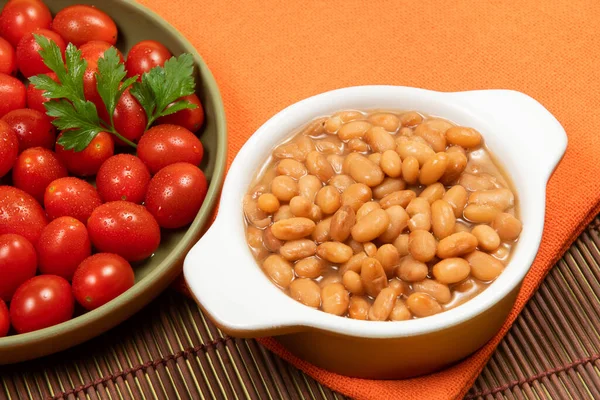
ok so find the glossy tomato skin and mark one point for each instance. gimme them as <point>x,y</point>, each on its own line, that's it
<point>40,302</point>
<point>21,214</point>
<point>88,161</point>
<point>175,194</point>
<point>9,148</point>
<point>71,197</point>
<point>4,319</point>
<point>79,24</point>
<point>32,127</point>
<point>29,60</point>
<point>144,56</point>
<point>63,245</point>
<point>34,169</point>
<point>129,118</point>
<point>101,278</point>
<point>12,94</point>
<point>8,58</point>
<point>18,262</point>
<point>123,177</point>
<point>167,144</point>
<point>20,17</point>
<point>36,98</point>
<point>124,228</point>
<point>190,119</point>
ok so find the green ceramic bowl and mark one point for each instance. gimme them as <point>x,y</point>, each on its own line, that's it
<point>137,23</point>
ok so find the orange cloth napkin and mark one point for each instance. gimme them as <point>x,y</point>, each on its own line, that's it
<point>268,54</point>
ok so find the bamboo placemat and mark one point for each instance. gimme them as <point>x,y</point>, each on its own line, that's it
<point>170,351</point>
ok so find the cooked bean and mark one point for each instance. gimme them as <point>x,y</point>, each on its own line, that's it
<point>442,219</point>
<point>334,252</point>
<point>330,145</point>
<point>370,226</point>
<point>401,244</point>
<point>306,291</point>
<point>308,186</point>
<point>480,214</point>
<point>337,162</point>
<point>353,130</point>
<point>400,198</point>
<point>354,263</point>
<point>419,211</point>
<point>380,140</point>
<point>501,253</point>
<point>388,257</point>
<point>477,182</point>
<point>373,276</point>
<point>433,192</point>
<point>270,241</point>
<point>358,145</point>
<point>410,169</point>
<point>328,199</point>
<point>501,199</point>
<point>356,247</point>
<point>341,223</point>
<point>349,115</point>
<point>358,308</point>
<point>411,270</point>
<point>508,227</point>
<point>465,137</point>
<point>399,286</point>
<point>333,124</point>
<point>367,208</point>
<point>456,245</point>
<point>433,169</point>
<point>433,131</point>
<point>255,215</point>
<point>370,249</point>
<point>451,270</point>
<point>398,222</point>
<point>298,249</point>
<point>291,168</point>
<point>254,237</point>
<point>293,228</point>
<point>284,187</point>
<point>411,118</point>
<point>284,212</point>
<point>388,121</point>
<point>483,266</point>
<point>487,238</point>
<point>422,245</point>
<point>313,130</point>
<point>375,158</point>
<point>279,270</point>
<point>457,162</point>
<point>310,267</point>
<point>438,291</point>
<point>356,195</point>
<point>341,182</point>
<point>423,305</point>
<point>300,206</point>
<point>268,203</point>
<point>363,170</point>
<point>391,164</point>
<point>322,231</point>
<point>456,196</point>
<point>294,150</point>
<point>329,278</point>
<point>407,148</point>
<point>405,131</point>
<point>462,227</point>
<point>317,165</point>
<point>335,299</point>
<point>400,312</point>
<point>353,283</point>
<point>383,304</point>
<point>388,186</point>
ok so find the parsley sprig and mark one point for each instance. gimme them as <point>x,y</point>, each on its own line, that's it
<point>158,92</point>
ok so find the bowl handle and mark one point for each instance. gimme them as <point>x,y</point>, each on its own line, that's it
<point>547,139</point>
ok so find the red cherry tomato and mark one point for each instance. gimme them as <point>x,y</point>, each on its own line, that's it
<point>12,94</point>
<point>146,55</point>
<point>21,214</point>
<point>8,58</point>
<point>18,262</point>
<point>124,228</point>
<point>4,319</point>
<point>101,278</point>
<point>29,59</point>
<point>88,161</point>
<point>32,127</point>
<point>190,119</point>
<point>166,144</point>
<point>36,98</point>
<point>42,301</point>
<point>175,194</point>
<point>20,17</point>
<point>79,24</point>
<point>129,118</point>
<point>63,245</point>
<point>71,197</point>
<point>123,177</point>
<point>9,148</point>
<point>34,169</point>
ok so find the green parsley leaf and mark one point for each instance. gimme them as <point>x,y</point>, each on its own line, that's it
<point>108,79</point>
<point>79,119</point>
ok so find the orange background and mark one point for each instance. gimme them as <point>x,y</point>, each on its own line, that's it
<point>268,54</point>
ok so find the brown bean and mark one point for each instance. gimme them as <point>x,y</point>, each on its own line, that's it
<point>477,182</point>
<point>468,138</point>
<point>422,245</point>
<point>398,222</point>
<point>334,252</point>
<point>370,249</point>
<point>410,169</point>
<point>487,238</point>
<point>310,267</point>
<point>442,219</point>
<point>451,270</point>
<point>279,270</point>
<point>391,164</point>
<point>480,214</point>
<point>336,161</point>
<point>329,278</point>
<point>508,227</point>
<point>401,244</point>
<point>457,162</point>
<point>293,228</point>
<point>462,227</point>
<point>333,124</point>
<point>297,150</point>
<point>501,253</point>
<point>328,199</point>
<point>353,283</point>
<point>411,270</point>
<point>358,146</point>
<point>350,115</point>
<point>400,312</point>
<point>366,209</point>
<point>388,121</point>
<point>255,215</point>
<point>341,223</point>
<point>358,308</point>
<point>335,299</point>
<point>271,242</point>
<point>354,263</point>
<point>268,203</point>
<point>405,131</point>
<point>373,276</point>
<point>438,291</point>
<point>356,247</point>
<point>370,226</point>
<point>411,118</point>
<point>433,192</point>
<point>456,245</point>
<point>353,130</point>
<point>284,187</point>
<point>433,131</point>
<point>400,198</point>
<point>306,291</point>
<point>284,212</point>
<point>254,237</point>
<point>483,266</point>
<point>501,199</point>
<point>308,186</point>
<point>407,148</point>
<point>388,257</point>
<point>433,169</point>
<point>363,170</point>
<point>322,232</point>
<point>423,305</point>
<point>380,140</point>
<point>317,165</point>
<point>330,145</point>
<point>341,182</point>
<point>383,304</point>
<point>298,249</point>
<point>388,186</point>
<point>291,168</point>
<point>314,129</point>
<point>356,195</point>
<point>300,206</point>
<point>399,286</point>
<point>375,158</point>
<point>419,211</point>
<point>456,196</point>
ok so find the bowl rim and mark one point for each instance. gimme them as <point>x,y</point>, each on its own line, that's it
<point>237,317</point>
<point>170,262</point>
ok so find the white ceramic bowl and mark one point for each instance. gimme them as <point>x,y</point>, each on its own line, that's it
<point>229,285</point>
